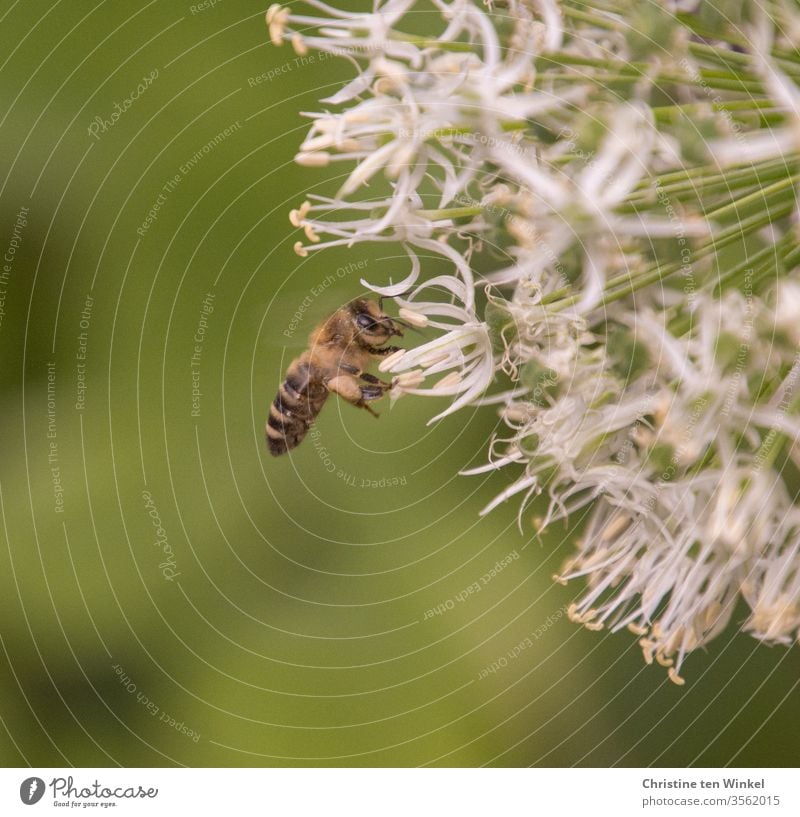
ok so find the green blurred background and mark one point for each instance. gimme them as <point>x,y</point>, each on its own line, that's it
<point>279,616</point>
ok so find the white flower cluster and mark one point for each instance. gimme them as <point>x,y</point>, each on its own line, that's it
<point>666,440</point>
<point>644,304</point>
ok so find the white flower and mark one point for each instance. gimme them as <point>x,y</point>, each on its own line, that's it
<point>671,564</point>
<point>417,113</point>
<point>520,145</point>
<point>668,548</point>
<point>565,208</point>
<point>342,32</point>
<point>461,357</point>
<point>772,588</point>
<point>787,309</point>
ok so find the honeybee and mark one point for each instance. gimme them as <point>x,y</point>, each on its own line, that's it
<point>340,348</point>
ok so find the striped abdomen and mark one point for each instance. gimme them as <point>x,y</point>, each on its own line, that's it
<point>296,406</point>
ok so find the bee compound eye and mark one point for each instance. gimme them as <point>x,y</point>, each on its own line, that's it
<point>365,321</point>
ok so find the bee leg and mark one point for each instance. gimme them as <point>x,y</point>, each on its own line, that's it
<point>370,378</point>
<point>347,387</point>
<point>365,376</point>
<point>369,393</point>
<point>383,350</point>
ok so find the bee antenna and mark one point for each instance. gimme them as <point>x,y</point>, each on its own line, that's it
<point>382,298</point>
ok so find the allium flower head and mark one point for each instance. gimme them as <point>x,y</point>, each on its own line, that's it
<point>619,226</point>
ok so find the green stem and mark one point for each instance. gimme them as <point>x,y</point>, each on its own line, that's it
<point>732,181</point>
<point>695,24</point>
<point>635,69</point>
<point>728,105</point>
<point>450,212</point>
<point>757,266</point>
<point>765,259</point>
<point>594,19</point>
<point>757,196</point>
<point>620,286</point>
<point>723,239</point>
<point>506,127</point>
<point>726,56</point>
<point>793,258</point>
<point>712,171</point>
<point>743,85</point>
<point>764,116</point>
<point>428,42</point>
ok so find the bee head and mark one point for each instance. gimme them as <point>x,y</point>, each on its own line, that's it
<point>372,326</point>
